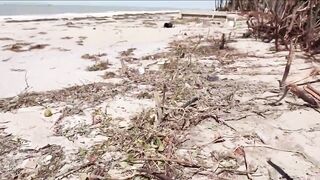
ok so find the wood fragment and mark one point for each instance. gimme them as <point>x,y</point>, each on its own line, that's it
<point>312,91</point>
<point>300,93</point>
<point>279,170</point>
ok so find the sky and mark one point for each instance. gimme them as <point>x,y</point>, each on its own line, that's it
<point>172,4</point>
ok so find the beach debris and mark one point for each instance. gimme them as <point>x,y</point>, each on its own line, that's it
<point>149,23</point>
<point>99,66</point>
<point>94,57</point>
<point>128,52</point>
<point>80,42</point>
<point>21,47</point>
<point>6,60</point>
<point>32,20</point>
<point>168,25</point>
<point>109,75</point>
<point>286,21</point>
<point>61,49</point>
<point>29,28</point>
<point>6,39</point>
<point>47,112</point>
<point>17,47</point>
<point>127,55</point>
<point>67,37</point>
<point>17,70</point>
<point>38,46</point>
<point>307,93</point>
<point>223,41</point>
<point>279,170</point>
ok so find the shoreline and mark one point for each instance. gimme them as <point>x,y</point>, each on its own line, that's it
<point>70,16</point>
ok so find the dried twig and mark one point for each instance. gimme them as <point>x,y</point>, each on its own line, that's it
<point>279,170</point>
<point>71,171</point>
<point>191,101</point>
<point>288,65</point>
<point>219,121</point>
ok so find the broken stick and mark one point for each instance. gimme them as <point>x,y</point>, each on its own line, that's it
<point>279,170</point>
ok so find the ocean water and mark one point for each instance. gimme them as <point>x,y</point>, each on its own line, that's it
<point>20,9</point>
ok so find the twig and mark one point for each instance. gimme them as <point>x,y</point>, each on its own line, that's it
<point>219,121</point>
<point>191,101</point>
<point>26,81</point>
<point>310,82</point>
<point>180,162</point>
<point>288,65</point>
<point>71,171</point>
<point>217,140</point>
<point>246,163</point>
<point>237,171</point>
<point>279,170</point>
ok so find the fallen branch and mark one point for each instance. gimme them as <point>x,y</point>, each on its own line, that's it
<point>312,91</point>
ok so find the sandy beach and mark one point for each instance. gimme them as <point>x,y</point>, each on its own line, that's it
<point>107,95</point>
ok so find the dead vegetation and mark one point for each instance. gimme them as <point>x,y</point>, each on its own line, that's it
<point>127,55</point>
<point>108,75</point>
<point>149,23</point>
<point>21,47</point>
<point>93,57</point>
<point>6,39</point>
<point>92,94</point>
<point>99,66</point>
<point>286,21</point>
<point>187,93</point>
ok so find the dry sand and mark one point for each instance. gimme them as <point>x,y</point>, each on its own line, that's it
<point>289,132</point>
